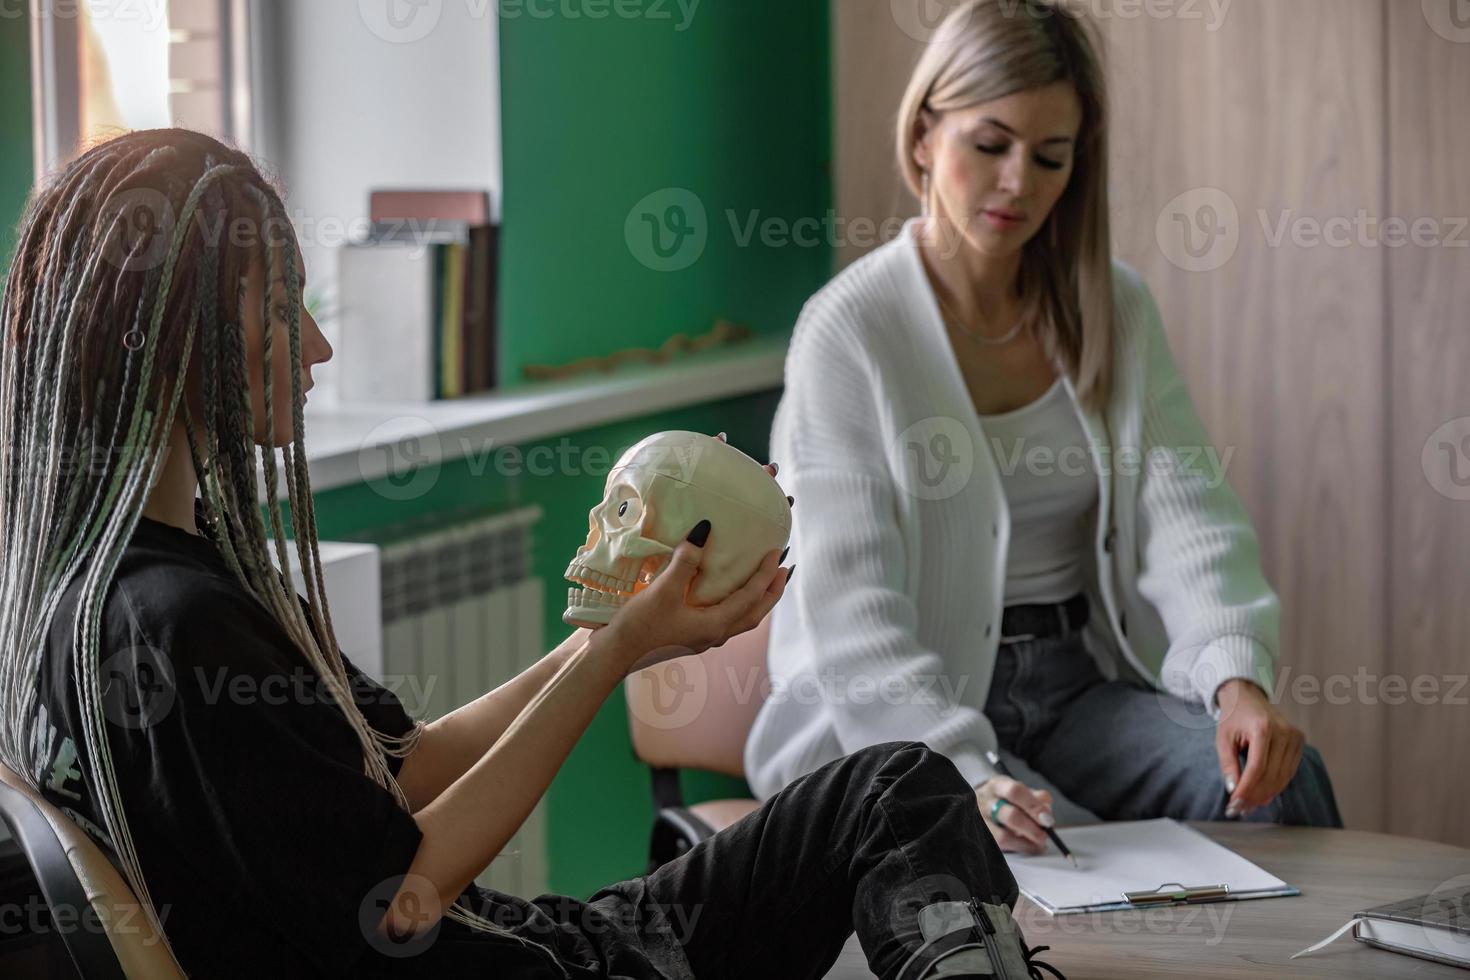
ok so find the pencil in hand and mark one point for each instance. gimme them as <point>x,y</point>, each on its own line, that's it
<point>1000,767</point>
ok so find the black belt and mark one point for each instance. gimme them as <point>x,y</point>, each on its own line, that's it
<point>1035,622</point>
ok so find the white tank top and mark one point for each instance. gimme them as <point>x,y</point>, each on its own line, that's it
<point>1046,469</point>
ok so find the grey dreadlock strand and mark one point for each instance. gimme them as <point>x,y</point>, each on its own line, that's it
<point>60,521</point>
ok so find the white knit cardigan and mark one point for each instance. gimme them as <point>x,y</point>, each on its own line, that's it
<point>901,532</point>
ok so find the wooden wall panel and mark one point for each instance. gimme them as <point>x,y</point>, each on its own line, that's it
<point>1278,107</point>
<point>872,58</point>
<point>1281,341</point>
<point>1429,337</point>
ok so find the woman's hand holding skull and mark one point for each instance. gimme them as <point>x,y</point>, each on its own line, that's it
<point>659,625</point>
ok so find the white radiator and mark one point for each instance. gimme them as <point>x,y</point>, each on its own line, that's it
<point>462,614</point>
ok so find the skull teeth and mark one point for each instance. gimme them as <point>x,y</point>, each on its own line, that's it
<point>584,598</point>
<point>598,581</point>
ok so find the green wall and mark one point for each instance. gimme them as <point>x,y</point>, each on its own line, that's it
<point>15,124</point>
<point>599,114</point>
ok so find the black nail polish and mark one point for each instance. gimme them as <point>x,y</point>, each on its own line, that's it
<point>700,534</point>
<point>790,574</point>
<point>782,559</point>
<point>790,501</point>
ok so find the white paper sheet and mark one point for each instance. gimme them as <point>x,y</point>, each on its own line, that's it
<point>1130,856</point>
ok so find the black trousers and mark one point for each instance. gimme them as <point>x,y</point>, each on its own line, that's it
<point>863,842</point>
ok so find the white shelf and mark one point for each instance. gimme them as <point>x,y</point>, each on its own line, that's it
<point>348,444</point>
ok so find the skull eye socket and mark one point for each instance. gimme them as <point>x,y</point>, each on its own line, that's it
<point>629,512</point>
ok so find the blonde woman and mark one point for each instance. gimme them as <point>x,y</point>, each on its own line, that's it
<point>1016,547</point>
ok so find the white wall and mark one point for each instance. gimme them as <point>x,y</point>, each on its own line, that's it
<point>350,99</point>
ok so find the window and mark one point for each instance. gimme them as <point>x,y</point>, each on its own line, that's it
<point>105,66</point>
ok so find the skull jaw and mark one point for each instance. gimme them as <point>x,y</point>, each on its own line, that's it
<point>595,596</point>
<point>590,608</point>
<point>598,593</point>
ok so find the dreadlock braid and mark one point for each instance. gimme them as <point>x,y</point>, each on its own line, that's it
<point>106,333</point>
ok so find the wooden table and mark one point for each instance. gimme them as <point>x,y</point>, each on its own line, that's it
<point>1339,872</point>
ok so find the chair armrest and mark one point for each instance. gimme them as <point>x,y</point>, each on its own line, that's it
<point>86,941</point>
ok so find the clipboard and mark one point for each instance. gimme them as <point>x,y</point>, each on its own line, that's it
<point>1138,864</point>
<point>1174,893</point>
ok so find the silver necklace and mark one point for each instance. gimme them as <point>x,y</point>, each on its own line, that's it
<point>986,341</point>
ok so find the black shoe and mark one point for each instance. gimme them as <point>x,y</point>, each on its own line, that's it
<point>972,940</point>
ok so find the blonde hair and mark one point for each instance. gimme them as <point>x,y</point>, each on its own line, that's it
<point>988,49</point>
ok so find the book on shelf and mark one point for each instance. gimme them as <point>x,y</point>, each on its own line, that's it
<point>418,313</point>
<point>450,379</point>
<point>482,262</point>
<point>430,207</point>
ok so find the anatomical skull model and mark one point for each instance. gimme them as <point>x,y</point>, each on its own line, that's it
<point>655,495</point>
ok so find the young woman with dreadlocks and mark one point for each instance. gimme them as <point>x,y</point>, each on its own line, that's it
<point>276,812</point>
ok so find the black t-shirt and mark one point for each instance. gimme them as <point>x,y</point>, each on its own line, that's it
<point>267,850</point>
<point>259,833</point>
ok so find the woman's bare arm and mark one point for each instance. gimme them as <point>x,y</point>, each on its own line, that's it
<point>471,821</point>
<point>451,744</point>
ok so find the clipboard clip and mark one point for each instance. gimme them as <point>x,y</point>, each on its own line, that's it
<point>1171,892</point>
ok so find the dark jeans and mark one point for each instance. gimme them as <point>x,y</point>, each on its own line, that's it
<point>863,842</point>
<point>1126,752</point>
